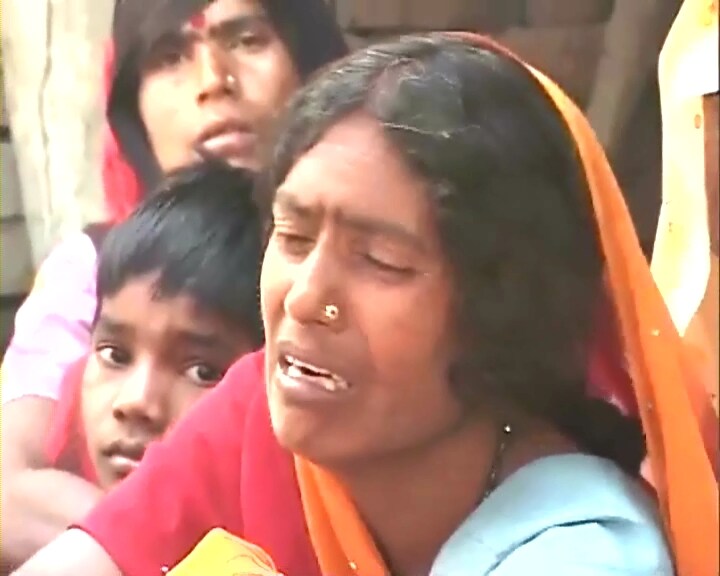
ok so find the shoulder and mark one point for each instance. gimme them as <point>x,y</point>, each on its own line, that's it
<point>52,327</point>
<point>594,547</point>
<point>244,382</point>
<point>69,270</point>
<point>76,249</point>
<point>571,514</point>
<point>229,406</point>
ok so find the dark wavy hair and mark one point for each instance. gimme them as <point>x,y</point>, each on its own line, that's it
<point>201,233</point>
<point>513,211</point>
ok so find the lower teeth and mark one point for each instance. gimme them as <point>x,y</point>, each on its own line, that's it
<point>328,383</point>
<point>294,372</point>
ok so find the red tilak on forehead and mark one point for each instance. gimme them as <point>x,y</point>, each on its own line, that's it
<point>198,20</point>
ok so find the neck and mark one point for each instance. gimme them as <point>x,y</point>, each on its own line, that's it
<point>413,502</point>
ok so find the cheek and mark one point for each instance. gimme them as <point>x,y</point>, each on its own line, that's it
<point>97,397</point>
<point>287,78</point>
<point>162,120</point>
<point>183,398</point>
<point>271,81</point>
<point>416,320</point>
<point>274,284</point>
<point>409,337</point>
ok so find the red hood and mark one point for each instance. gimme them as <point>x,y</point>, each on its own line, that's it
<point>120,183</point>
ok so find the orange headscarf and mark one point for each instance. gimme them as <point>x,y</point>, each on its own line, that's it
<point>674,408</point>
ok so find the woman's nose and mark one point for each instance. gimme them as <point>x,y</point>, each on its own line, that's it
<point>315,286</point>
<point>214,75</point>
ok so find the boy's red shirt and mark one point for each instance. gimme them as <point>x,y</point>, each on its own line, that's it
<point>66,444</point>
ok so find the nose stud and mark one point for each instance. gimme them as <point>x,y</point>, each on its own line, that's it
<point>331,312</point>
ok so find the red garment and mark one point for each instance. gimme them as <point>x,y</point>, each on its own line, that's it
<point>608,375</point>
<point>120,183</point>
<point>221,466</point>
<point>66,445</point>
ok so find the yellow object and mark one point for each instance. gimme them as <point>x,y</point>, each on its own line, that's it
<point>222,554</point>
<point>684,265</point>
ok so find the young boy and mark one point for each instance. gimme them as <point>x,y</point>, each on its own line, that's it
<point>177,305</point>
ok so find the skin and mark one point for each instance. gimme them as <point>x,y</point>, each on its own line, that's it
<point>29,518</point>
<point>185,86</point>
<point>415,463</point>
<point>335,242</point>
<point>152,360</point>
<point>178,100</point>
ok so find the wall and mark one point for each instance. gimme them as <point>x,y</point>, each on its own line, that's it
<point>52,60</point>
<point>15,262</point>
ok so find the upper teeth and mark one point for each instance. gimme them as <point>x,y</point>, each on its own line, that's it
<point>331,381</point>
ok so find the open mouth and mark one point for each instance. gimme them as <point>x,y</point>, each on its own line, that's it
<point>302,372</point>
<point>227,139</point>
<point>124,465</point>
<point>124,457</point>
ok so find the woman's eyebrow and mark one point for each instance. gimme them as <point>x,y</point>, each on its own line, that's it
<point>380,227</point>
<point>238,24</point>
<point>228,27</point>
<point>288,202</point>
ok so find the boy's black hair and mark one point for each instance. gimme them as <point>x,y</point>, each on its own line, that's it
<point>200,233</point>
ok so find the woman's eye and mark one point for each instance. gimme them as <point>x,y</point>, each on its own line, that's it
<point>245,39</point>
<point>171,59</point>
<point>386,267</point>
<point>204,375</point>
<point>165,56</point>
<point>293,243</point>
<point>113,356</point>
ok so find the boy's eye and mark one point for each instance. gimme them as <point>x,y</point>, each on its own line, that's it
<point>204,375</point>
<point>113,356</point>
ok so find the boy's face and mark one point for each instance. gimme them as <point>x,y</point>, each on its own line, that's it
<point>151,359</point>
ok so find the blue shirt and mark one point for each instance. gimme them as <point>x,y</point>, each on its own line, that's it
<point>565,515</point>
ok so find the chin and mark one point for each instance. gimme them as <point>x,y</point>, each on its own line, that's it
<point>243,162</point>
<point>107,480</point>
<point>299,432</point>
<point>294,429</point>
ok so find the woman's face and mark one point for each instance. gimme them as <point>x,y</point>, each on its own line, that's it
<point>216,84</point>
<point>354,229</point>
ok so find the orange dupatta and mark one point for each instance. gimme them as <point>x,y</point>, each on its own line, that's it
<point>674,407</point>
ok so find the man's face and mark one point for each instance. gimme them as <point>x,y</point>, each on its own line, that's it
<point>215,85</point>
<point>152,359</point>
